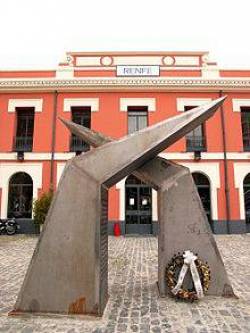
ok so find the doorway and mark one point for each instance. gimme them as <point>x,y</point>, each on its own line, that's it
<point>138,207</point>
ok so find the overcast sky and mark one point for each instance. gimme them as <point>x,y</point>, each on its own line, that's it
<point>37,33</point>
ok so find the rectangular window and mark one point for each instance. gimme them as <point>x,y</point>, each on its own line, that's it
<point>137,118</point>
<point>81,116</point>
<point>24,129</point>
<point>245,126</point>
<point>195,140</point>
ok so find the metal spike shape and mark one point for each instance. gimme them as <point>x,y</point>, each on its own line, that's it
<point>132,151</point>
<point>96,139</point>
<point>93,138</point>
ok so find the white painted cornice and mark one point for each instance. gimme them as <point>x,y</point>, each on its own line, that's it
<point>240,102</point>
<point>183,102</point>
<point>25,102</point>
<point>93,103</point>
<point>115,83</point>
<point>205,156</point>
<point>126,102</point>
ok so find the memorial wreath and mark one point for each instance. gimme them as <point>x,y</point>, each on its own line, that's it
<point>200,273</point>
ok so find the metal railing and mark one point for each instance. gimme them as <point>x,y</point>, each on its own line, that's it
<point>23,143</point>
<point>77,145</point>
<point>196,143</point>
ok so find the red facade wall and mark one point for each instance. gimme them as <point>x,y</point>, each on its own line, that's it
<point>234,73</point>
<point>113,122</point>
<point>93,73</point>
<point>110,121</point>
<point>26,74</point>
<point>181,73</point>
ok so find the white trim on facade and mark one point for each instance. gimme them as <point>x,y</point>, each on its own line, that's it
<point>187,61</point>
<point>88,61</point>
<point>210,72</point>
<point>182,102</point>
<point>59,171</point>
<point>64,156</point>
<point>238,156</point>
<point>212,171</point>
<point>149,102</point>
<point>240,172</point>
<point>154,205</point>
<point>163,67</point>
<point>190,156</point>
<point>121,187</point>
<point>239,102</point>
<point>12,156</point>
<point>34,170</point>
<point>92,102</point>
<point>114,83</point>
<point>206,156</point>
<point>177,60</point>
<point>25,102</point>
<point>65,72</point>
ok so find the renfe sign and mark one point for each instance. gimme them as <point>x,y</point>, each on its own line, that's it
<point>138,70</point>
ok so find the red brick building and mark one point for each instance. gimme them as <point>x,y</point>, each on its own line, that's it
<point>117,93</point>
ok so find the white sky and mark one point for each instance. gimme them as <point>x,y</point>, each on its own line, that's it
<point>37,33</point>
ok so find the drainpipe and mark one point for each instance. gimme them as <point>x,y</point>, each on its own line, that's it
<point>228,212</point>
<point>53,141</point>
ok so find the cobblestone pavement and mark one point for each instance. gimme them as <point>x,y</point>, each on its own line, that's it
<point>134,305</point>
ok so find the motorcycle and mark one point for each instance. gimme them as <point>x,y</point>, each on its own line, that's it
<point>9,226</point>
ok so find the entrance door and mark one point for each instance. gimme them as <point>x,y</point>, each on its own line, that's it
<point>138,207</point>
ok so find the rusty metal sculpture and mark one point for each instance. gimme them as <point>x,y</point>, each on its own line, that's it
<point>69,269</point>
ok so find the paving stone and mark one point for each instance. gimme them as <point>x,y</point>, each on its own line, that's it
<point>134,304</point>
<point>144,328</point>
<point>224,313</point>
<point>30,330</point>
<point>121,328</point>
<point>134,328</point>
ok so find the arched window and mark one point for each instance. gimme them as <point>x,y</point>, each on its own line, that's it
<point>203,187</point>
<point>20,196</point>
<point>246,189</point>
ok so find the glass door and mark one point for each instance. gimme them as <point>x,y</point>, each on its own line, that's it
<point>138,207</point>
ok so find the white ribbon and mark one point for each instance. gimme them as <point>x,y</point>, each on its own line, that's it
<point>189,262</point>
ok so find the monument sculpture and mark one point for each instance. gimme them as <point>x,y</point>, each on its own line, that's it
<point>69,268</point>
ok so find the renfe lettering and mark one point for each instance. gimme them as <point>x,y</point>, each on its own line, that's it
<point>138,70</point>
